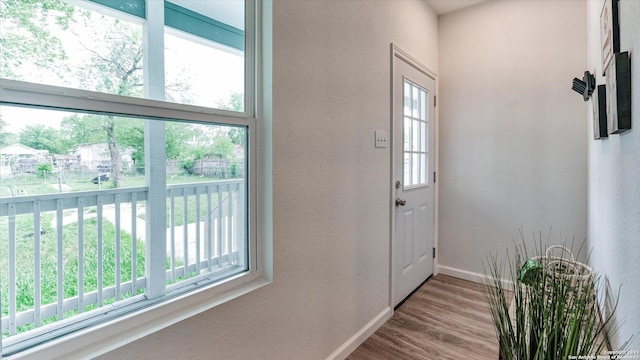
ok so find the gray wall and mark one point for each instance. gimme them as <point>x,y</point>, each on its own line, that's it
<point>614,191</point>
<point>513,149</point>
<point>331,90</point>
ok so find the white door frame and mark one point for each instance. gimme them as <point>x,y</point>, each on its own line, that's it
<point>398,54</point>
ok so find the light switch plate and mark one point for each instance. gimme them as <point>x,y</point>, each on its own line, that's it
<point>382,140</point>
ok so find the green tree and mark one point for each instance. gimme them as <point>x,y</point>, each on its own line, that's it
<point>43,138</point>
<point>235,102</point>
<point>4,135</point>
<point>236,135</point>
<point>177,137</point>
<point>222,147</point>
<point>116,68</point>
<point>83,129</point>
<point>114,65</point>
<point>130,134</point>
<point>26,37</point>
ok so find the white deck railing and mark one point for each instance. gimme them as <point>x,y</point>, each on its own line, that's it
<point>210,237</point>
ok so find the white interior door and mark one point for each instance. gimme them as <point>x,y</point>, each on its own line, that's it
<point>413,178</point>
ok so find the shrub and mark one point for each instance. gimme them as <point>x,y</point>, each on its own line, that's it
<point>43,170</point>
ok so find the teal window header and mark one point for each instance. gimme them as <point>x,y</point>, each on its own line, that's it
<point>185,20</point>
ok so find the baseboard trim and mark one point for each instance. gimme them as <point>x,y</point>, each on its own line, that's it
<point>470,275</point>
<point>358,338</point>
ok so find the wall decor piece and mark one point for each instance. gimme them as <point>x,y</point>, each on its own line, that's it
<point>609,32</point>
<point>585,86</point>
<point>619,93</point>
<point>600,112</point>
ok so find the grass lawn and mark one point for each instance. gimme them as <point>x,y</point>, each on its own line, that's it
<point>25,282</point>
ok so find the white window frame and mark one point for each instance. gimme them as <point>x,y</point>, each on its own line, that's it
<point>139,321</point>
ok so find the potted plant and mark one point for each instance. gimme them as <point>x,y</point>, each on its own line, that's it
<point>547,308</point>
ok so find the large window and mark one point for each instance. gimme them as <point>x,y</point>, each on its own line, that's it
<point>127,135</point>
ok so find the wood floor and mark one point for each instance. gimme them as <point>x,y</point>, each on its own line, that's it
<point>447,318</point>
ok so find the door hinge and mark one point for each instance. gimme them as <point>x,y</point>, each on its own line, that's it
<point>434,253</point>
<point>435,101</point>
<point>434,176</point>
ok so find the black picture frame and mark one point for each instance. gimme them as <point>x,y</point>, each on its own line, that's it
<point>609,32</point>
<point>619,94</point>
<point>599,99</point>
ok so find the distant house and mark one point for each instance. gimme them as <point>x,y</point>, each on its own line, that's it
<point>96,157</point>
<point>65,162</point>
<point>18,158</point>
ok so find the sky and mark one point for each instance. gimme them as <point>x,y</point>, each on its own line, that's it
<point>16,118</point>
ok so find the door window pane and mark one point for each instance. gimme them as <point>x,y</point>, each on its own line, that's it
<point>415,136</point>
<point>423,108</point>
<point>407,133</point>
<point>415,169</point>
<point>415,104</point>
<point>407,99</point>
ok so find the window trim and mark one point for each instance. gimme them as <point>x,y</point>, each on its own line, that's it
<point>111,334</point>
<point>26,94</point>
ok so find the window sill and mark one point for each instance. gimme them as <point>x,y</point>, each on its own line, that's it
<point>102,338</point>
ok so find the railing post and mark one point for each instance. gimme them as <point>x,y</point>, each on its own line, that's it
<point>117,247</point>
<point>185,232</point>
<point>219,233</point>
<point>100,250</point>
<point>241,226</point>
<point>60,258</point>
<point>134,243</point>
<point>208,246</point>
<point>37,264</point>
<point>80,255</point>
<point>172,231</point>
<point>229,222</point>
<point>12,269</point>
<point>197,191</point>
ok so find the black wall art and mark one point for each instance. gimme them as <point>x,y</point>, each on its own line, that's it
<point>619,93</point>
<point>599,99</point>
<point>609,32</point>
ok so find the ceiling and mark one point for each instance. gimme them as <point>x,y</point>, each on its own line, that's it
<point>442,7</point>
<point>232,11</point>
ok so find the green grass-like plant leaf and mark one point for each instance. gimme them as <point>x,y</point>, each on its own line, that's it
<point>555,317</point>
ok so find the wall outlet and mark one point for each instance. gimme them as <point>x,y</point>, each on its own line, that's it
<point>382,140</point>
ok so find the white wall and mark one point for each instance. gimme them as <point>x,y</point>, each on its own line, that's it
<point>513,149</point>
<point>331,89</point>
<point>614,191</point>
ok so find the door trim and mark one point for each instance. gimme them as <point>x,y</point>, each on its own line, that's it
<point>398,54</point>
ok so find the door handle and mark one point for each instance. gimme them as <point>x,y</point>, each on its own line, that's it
<point>400,202</point>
